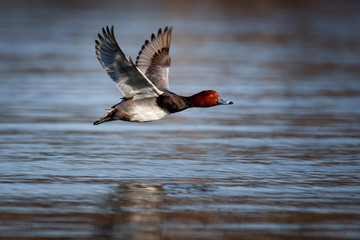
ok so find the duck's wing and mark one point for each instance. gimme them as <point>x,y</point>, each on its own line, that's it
<point>129,79</point>
<point>154,60</point>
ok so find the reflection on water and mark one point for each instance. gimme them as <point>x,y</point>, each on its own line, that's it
<point>281,163</point>
<point>136,212</point>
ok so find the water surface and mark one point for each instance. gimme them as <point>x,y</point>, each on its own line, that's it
<point>281,163</point>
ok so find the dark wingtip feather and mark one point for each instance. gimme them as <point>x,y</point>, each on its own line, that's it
<point>104,32</point>
<point>100,37</point>
<point>152,37</point>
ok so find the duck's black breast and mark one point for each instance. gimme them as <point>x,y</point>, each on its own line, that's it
<point>172,102</point>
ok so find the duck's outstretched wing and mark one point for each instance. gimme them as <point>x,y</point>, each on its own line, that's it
<point>133,83</point>
<point>154,60</point>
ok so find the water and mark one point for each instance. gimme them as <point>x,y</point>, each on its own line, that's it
<point>283,162</point>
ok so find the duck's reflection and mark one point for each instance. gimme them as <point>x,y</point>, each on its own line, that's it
<point>133,211</point>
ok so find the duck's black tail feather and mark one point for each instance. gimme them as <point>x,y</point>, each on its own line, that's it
<point>107,117</point>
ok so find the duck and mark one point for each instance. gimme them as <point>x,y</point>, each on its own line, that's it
<point>144,84</point>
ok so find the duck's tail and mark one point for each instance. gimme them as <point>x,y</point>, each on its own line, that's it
<point>107,117</point>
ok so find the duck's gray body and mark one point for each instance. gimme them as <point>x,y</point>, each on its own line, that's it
<point>146,109</point>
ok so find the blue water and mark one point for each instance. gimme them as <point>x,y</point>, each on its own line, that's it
<point>283,162</point>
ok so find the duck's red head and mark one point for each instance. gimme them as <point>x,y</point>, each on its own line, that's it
<point>207,98</point>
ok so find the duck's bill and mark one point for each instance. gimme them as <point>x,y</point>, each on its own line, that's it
<point>221,101</point>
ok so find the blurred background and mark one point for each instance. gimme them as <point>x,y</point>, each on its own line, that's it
<point>283,162</point>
